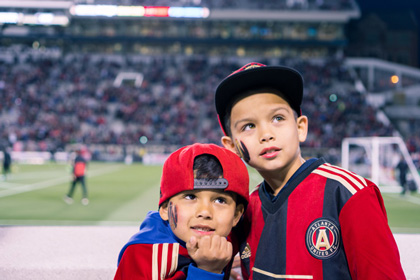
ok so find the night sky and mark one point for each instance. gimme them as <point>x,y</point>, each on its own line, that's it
<point>367,6</point>
<point>389,5</point>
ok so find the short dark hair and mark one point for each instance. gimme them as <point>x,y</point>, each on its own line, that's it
<point>207,166</point>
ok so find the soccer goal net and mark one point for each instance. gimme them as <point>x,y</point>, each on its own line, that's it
<point>376,158</point>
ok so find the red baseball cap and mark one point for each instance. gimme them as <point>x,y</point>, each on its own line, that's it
<point>178,174</point>
<point>255,75</point>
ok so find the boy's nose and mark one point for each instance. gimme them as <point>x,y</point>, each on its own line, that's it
<point>204,211</point>
<point>265,133</point>
<point>267,136</point>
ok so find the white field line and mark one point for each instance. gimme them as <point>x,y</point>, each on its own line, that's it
<point>7,185</point>
<point>407,197</point>
<point>52,182</point>
<point>412,199</point>
<point>35,174</point>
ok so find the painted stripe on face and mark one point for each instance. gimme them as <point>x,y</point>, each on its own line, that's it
<point>243,151</point>
<point>172,215</point>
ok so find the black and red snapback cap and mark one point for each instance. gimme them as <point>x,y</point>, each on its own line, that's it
<point>254,75</point>
<point>178,172</point>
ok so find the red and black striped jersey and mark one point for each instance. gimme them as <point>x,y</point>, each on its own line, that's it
<point>328,223</point>
<point>154,261</point>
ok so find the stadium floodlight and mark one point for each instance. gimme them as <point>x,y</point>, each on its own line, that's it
<point>94,10</point>
<point>130,11</point>
<point>9,17</point>
<point>33,19</point>
<point>138,11</point>
<point>188,12</point>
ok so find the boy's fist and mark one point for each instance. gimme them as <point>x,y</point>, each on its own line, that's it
<point>210,253</point>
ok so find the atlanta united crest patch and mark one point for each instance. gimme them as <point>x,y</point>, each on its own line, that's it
<point>323,238</point>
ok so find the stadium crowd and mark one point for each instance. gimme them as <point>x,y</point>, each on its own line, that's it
<point>50,99</point>
<point>413,142</point>
<point>205,30</point>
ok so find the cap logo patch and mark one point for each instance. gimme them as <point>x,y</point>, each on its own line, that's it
<point>252,66</point>
<point>210,183</point>
<point>247,67</point>
<point>323,238</point>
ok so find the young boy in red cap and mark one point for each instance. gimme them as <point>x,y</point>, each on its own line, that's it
<point>203,194</point>
<point>308,219</point>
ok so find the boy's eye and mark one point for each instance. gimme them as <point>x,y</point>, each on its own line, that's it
<point>278,118</point>
<point>221,200</point>
<point>189,196</point>
<point>248,126</point>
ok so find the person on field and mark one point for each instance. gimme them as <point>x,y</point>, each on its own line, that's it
<point>402,167</point>
<point>308,219</point>
<point>7,162</point>
<point>203,194</point>
<point>78,170</point>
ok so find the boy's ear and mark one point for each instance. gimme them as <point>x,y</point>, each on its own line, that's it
<point>163,211</point>
<point>229,144</point>
<point>238,213</point>
<point>302,126</point>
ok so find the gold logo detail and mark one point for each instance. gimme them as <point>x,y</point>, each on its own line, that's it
<point>322,240</point>
<point>246,253</point>
<point>252,66</point>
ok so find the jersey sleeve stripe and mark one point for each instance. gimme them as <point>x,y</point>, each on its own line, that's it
<point>345,174</point>
<point>164,263</point>
<point>354,175</point>
<point>174,262</point>
<point>353,180</point>
<point>338,178</point>
<point>155,265</point>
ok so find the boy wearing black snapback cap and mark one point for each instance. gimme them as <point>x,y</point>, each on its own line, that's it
<point>308,219</point>
<point>203,194</point>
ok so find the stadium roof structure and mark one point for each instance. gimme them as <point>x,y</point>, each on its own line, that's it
<point>98,8</point>
<point>40,4</point>
<point>285,15</point>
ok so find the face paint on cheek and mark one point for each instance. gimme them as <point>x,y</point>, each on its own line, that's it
<point>243,151</point>
<point>172,215</point>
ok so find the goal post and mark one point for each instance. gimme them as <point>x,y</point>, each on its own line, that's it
<point>376,158</point>
<point>122,77</point>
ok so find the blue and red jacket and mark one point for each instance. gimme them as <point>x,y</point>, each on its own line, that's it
<point>155,253</point>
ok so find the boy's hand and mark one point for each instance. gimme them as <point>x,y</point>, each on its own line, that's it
<point>210,253</point>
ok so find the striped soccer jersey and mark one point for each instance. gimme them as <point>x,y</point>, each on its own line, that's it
<point>155,253</point>
<point>328,223</point>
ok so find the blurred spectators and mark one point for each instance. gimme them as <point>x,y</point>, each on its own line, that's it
<point>201,30</point>
<point>52,99</point>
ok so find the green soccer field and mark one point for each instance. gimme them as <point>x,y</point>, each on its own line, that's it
<point>122,194</point>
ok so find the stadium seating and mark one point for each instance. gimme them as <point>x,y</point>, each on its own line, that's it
<point>53,99</point>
